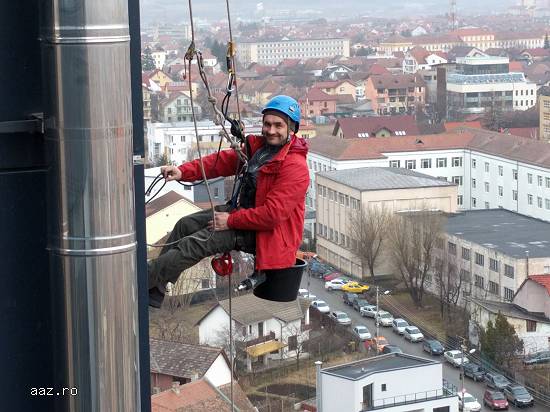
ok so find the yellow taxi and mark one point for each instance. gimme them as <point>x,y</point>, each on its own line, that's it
<point>355,287</point>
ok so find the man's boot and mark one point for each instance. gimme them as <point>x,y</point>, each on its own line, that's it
<point>156,289</point>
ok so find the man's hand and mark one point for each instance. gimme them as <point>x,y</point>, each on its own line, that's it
<point>221,221</point>
<point>171,173</point>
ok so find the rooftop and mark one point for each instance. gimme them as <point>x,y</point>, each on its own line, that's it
<point>356,127</point>
<point>510,310</point>
<point>383,178</point>
<point>491,228</point>
<point>384,363</point>
<point>456,78</point>
<point>543,280</point>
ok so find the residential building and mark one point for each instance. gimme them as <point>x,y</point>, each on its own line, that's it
<point>517,169</point>
<point>481,84</point>
<point>544,114</point>
<point>273,52</point>
<point>387,382</point>
<point>146,92</point>
<point>375,126</point>
<point>200,396</point>
<point>419,58</point>
<point>177,108</point>
<point>317,103</point>
<point>342,193</point>
<point>338,87</point>
<point>493,251</point>
<point>181,362</point>
<point>159,56</point>
<point>266,330</point>
<point>392,94</point>
<point>157,76</point>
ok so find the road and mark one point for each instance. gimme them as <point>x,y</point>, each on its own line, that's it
<point>451,374</point>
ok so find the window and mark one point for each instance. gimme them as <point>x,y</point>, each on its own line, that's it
<point>480,259</point>
<point>466,276</point>
<point>547,182</point>
<point>341,198</point>
<point>493,264</point>
<point>474,202</point>
<point>529,178</point>
<point>547,204</point>
<point>293,342</point>
<point>452,248</point>
<point>346,200</point>
<point>508,294</point>
<point>330,234</point>
<point>410,164</point>
<point>479,282</point>
<point>465,253</point>
<point>474,163</point>
<point>216,192</point>
<point>500,171</point>
<point>457,161</point>
<point>474,184</point>
<point>330,194</point>
<point>487,186</point>
<point>487,206</point>
<point>508,271</point>
<point>539,180</point>
<point>457,180</point>
<point>486,167</point>
<point>494,288</point>
<point>383,387</point>
<point>439,243</point>
<point>394,163</point>
<point>515,195</point>
<point>539,202</point>
<point>515,174</point>
<point>500,191</point>
<point>426,163</point>
<point>441,162</point>
<point>205,283</point>
<point>459,200</point>
<point>529,199</point>
<point>531,325</point>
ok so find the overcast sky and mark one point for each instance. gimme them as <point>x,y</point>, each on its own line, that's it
<point>176,10</point>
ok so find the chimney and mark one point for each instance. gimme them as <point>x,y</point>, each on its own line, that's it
<point>156,390</point>
<point>319,387</point>
<point>176,387</point>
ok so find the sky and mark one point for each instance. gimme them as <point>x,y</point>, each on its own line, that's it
<point>176,10</point>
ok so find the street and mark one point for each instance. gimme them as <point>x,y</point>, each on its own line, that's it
<point>451,374</point>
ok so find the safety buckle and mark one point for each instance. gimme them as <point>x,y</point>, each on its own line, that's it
<point>223,265</point>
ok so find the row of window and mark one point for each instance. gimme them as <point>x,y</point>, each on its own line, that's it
<point>333,195</point>
<point>494,265</point>
<point>335,236</point>
<point>427,163</point>
<point>319,167</point>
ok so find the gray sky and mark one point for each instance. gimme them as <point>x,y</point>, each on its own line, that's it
<point>176,10</point>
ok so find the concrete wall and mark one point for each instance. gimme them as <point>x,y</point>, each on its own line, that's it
<point>533,297</point>
<point>219,372</point>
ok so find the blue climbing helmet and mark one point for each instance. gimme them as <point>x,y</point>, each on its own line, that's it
<point>286,105</point>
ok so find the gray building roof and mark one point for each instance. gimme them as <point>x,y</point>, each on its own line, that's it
<point>502,230</point>
<point>365,367</point>
<point>510,310</point>
<point>180,359</point>
<point>383,178</point>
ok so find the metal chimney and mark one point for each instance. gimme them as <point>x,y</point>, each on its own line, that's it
<point>319,386</point>
<point>88,127</point>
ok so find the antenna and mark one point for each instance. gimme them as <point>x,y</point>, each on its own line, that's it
<point>452,15</point>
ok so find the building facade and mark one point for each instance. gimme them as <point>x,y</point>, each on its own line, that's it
<point>392,94</point>
<point>274,52</point>
<point>544,114</point>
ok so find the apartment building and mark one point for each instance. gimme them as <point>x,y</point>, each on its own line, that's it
<point>493,251</point>
<point>342,193</point>
<point>544,113</point>
<point>273,52</point>
<point>388,382</point>
<point>491,170</point>
<point>483,83</point>
<point>177,108</point>
<point>392,94</point>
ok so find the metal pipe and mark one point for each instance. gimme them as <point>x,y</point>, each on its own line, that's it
<point>319,389</point>
<point>88,127</point>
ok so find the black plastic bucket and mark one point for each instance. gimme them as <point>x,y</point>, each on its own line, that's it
<point>281,285</point>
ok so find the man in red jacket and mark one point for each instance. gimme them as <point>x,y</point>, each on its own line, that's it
<point>269,218</point>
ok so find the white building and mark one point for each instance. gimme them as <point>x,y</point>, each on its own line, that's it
<point>267,329</point>
<point>176,139</point>
<point>160,58</point>
<point>389,383</point>
<point>273,52</point>
<point>491,170</point>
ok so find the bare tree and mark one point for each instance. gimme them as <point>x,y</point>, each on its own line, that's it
<point>192,280</point>
<point>448,280</point>
<point>297,341</point>
<point>412,242</point>
<point>368,226</point>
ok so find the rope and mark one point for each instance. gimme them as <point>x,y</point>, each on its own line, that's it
<point>231,357</point>
<point>232,56</point>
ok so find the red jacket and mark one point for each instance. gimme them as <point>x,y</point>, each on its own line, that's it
<point>281,186</point>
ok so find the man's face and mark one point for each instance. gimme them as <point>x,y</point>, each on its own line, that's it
<point>274,130</point>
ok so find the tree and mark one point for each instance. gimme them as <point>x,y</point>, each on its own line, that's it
<point>493,118</point>
<point>147,61</point>
<point>368,227</point>
<point>448,280</point>
<point>219,50</point>
<point>546,41</point>
<point>365,51</point>
<point>412,242</point>
<point>161,160</point>
<point>499,341</point>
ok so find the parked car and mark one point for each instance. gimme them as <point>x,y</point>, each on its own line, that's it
<point>413,334</point>
<point>304,293</point>
<point>349,298</point>
<point>433,347</point>
<point>368,311</point>
<point>331,276</point>
<point>341,317</point>
<point>398,325</point>
<point>518,396</point>
<point>455,357</point>
<point>379,342</point>
<point>335,284</point>
<point>355,287</point>
<point>384,318</point>
<point>391,349</point>
<point>467,402</point>
<point>496,381</point>
<point>359,303</point>
<point>362,332</point>
<point>537,357</point>
<point>495,400</point>
<point>321,306</point>
<point>474,371</point>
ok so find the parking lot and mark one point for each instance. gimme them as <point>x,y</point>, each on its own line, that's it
<point>451,374</point>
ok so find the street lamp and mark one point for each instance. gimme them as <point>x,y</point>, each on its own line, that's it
<point>386,292</point>
<point>462,349</point>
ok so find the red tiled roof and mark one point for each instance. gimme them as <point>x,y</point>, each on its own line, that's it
<point>537,52</point>
<point>530,132</point>
<point>396,81</point>
<point>543,280</point>
<point>515,66</point>
<point>473,31</point>
<point>377,69</point>
<point>315,94</point>
<point>450,126</point>
<point>352,127</point>
<point>162,202</point>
